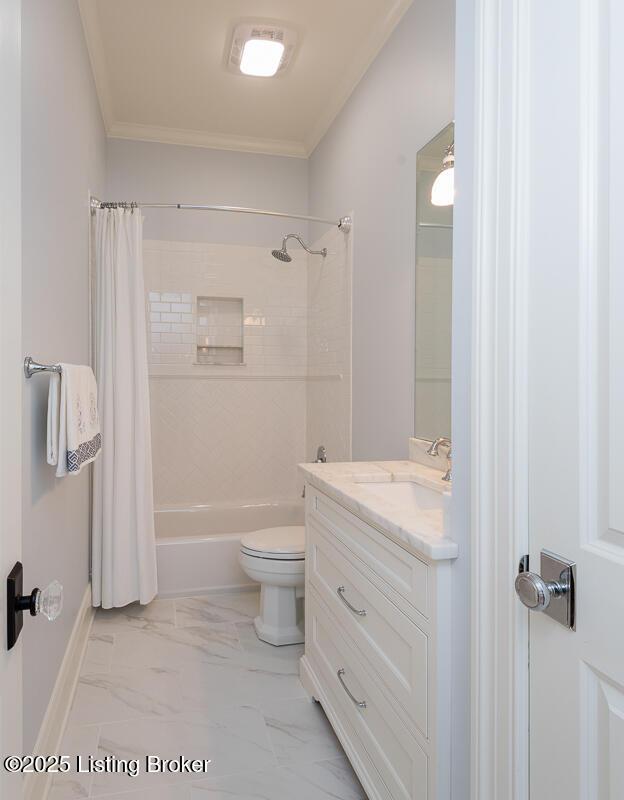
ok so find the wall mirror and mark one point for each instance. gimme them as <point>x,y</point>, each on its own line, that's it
<point>434,272</point>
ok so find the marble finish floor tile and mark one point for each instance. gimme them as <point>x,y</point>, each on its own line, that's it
<point>190,677</point>
<point>324,780</point>
<point>231,740</point>
<point>99,653</point>
<point>165,646</point>
<point>300,732</point>
<point>78,740</point>
<point>125,693</point>
<point>206,687</point>
<point>230,607</point>
<point>179,792</point>
<point>282,658</point>
<point>269,671</point>
<point>209,686</point>
<point>113,620</point>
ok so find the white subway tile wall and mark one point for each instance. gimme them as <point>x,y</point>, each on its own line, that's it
<point>235,433</point>
<point>274,297</point>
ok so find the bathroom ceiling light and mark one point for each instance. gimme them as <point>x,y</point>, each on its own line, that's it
<point>261,49</point>
<point>261,57</point>
<point>443,189</point>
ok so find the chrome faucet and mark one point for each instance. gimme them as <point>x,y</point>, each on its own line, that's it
<point>433,450</point>
<point>321,455</point>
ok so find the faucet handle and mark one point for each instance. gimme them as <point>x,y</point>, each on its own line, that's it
<point>434,450</point>
<point>441,441</point>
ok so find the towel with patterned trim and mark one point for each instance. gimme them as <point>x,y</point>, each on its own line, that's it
<point>73,422</point>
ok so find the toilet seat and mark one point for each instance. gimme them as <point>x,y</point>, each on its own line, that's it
<point>286,543</point>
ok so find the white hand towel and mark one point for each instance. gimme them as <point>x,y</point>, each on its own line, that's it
<point>54,398</point>
<point>73,422</point>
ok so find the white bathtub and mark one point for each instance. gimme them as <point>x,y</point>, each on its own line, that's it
<point>197,548</point>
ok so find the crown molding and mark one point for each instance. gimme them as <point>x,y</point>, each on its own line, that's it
<point>357,69</point>
<point>216,141</point>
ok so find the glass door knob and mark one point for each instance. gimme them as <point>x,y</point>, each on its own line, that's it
<point>48,601</point>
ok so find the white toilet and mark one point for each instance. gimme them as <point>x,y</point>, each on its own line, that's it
<point>275,557</point>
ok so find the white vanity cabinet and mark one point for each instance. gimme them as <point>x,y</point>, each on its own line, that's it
<point>377,652</point>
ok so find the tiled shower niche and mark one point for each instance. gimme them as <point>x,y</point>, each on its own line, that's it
<point>220,330</point>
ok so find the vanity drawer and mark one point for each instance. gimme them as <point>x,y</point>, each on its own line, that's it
<point>400,762</point>
<point>398,573</point>
<point>389,641</point>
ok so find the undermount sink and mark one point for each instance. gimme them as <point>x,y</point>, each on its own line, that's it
<point>404,493</point>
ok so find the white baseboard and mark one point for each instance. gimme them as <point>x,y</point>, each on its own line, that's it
<point>36,787</point>
<point>199,591</point>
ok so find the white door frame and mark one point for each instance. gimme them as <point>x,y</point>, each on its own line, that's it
<point>11,376</point>
<point>493,46</point>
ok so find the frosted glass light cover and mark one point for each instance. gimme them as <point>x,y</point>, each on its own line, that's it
<point>443,189</point>
<point>261,57</point>
<point>50,601</point>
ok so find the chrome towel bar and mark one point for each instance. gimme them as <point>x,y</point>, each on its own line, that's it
<point>34,367</point>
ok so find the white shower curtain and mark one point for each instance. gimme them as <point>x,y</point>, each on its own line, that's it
<point>123,545</point>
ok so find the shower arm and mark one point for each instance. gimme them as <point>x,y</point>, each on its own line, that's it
<point>296,236</point>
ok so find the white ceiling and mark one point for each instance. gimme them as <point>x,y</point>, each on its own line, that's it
<point>160,69</point>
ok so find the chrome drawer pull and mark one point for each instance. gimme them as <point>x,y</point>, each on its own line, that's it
<point>358,703</point>
<point>340,591</point>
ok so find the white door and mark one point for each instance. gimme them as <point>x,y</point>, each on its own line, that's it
<point>540,229</point>
<point>11,377</point>
<point>575,372</point>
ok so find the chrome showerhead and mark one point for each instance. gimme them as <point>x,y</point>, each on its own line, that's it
<point>281,255</point>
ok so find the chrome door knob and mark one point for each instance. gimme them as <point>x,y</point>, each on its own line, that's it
<point>553,591</point>
<point>536,593</point>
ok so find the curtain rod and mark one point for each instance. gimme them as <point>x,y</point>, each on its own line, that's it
<point>344,223</point>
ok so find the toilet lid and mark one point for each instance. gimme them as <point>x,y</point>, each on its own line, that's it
<point>287,541</point>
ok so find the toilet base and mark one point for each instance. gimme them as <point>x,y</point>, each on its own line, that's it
<point>278,637</point>
<point>277,623</point>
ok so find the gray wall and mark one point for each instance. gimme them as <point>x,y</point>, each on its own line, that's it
<point>366,163</point>
<point>63,156</point>
<point>165,173</point>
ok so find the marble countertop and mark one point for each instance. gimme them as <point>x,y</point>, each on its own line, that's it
<point>424,531</point>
